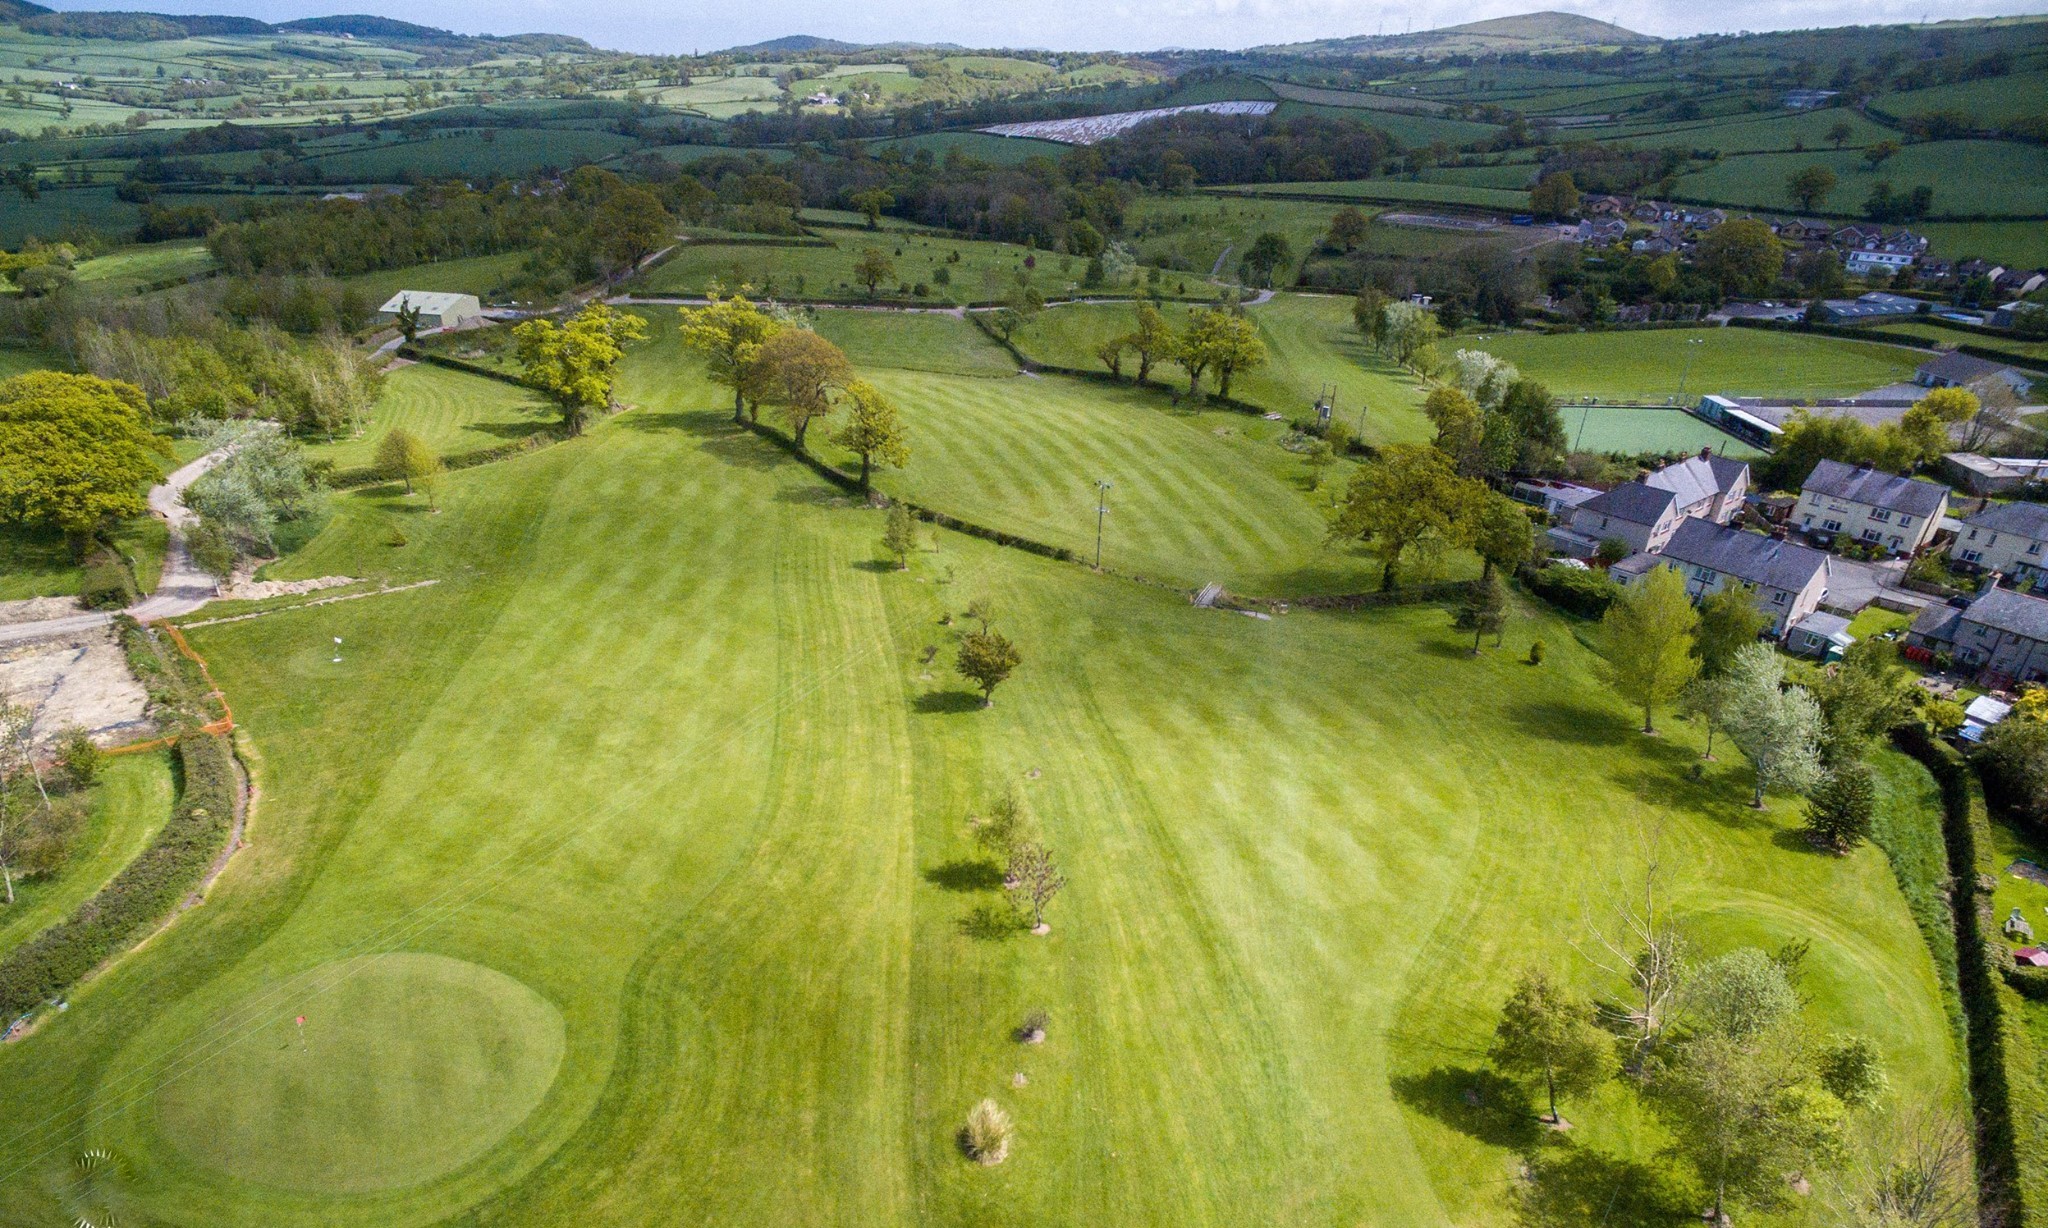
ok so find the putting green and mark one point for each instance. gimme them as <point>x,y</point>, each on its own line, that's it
<point>408,1066</point>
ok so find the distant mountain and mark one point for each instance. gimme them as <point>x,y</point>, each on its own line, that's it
<point>811,44</point>
<point>1529,32</point>
<point>152,27</point>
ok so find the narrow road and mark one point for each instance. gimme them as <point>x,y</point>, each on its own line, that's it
<point>182,588</point>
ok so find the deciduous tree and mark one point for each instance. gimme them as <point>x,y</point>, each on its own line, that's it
<point>1646,641</point>
<point>799,372</point>
<point>1778,728</point>
<point>1554,196</point>
<point>986,659</point>
<point>1810,185</point>
<point>1742,255</point>
<point>75,452</point>
<point>899,534</point>
<point>872,268</point>
<point>728,334</point>
<point>1545,1033</point>
<point>1037,877</point>
<point>1348,228</point>
<point>1405,497</point>
<point>873,430</point>
<point>1151,340</point>
<point>1730,620</point>
<point>576,362</point>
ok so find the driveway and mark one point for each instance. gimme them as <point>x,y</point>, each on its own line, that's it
<point>1854,585</point>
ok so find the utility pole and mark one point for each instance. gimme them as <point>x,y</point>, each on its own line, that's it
<point>1101,510</point>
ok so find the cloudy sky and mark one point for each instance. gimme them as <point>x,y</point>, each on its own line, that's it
<point>1130,25</point>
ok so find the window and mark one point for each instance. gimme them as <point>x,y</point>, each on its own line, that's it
<point>1973,535</point>
<point>1972,556</point>
<point>1807,521</point>
<point>1778,598</point>
<point>1880,515</point>
<point>2034,548</point>
<point>1832,526</point>
<point>1870,535</point>
<point>1905,522</point>
<point>1991,540</point>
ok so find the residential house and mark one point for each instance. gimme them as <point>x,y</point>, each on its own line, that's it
<point>1959,370</point>
<point>1863,262</point>
<point>1876,305</point>
<point>1602,230</point>
<point>1707,486</point>
<point>2008,314</point>
<point>1641,515</point>
<point>1555,497</point>
<point>1807,100</point>
<point>1868,505</point>
<point>2002,636</point>
<point>1790,579</point>
<point>2008,538</point>
<point>1603,206</point>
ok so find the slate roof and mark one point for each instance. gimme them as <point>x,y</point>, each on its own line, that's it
<point>2029,520</point>
<point>1697,477</point>
<point>1960,368</point>
<point>1633,502</point>
<point>1876,488</point>
<point>1937,622</point>
<point>1749,557</point>
<point>2014,613</point>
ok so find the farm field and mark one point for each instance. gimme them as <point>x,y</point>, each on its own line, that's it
<point>1397,191</point>
<point>1983,178</point>
<point>985,272</point>
<point>484,276</point>
<point>1952,337</point>
<point>125,270</point>
<point>1749,134</point>
<point>1647,366</point>
<point>450,411</point>
<point>986,146</point>
<point>2022,244</point>
<point>739,965</point>
<point>1988,102</point>
<point>504,151</point>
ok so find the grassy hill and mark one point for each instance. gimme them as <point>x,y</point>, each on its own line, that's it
<point>1529,32</point>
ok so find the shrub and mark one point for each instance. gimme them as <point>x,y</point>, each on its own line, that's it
<point>81,756</point>
<point>1032,1030</point>
<point>1585,593</point>
<point>1536,652</point>
<point>108,584</point>
<point>986,1136</point>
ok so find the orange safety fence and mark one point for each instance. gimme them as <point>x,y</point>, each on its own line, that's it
<point>223,724</point>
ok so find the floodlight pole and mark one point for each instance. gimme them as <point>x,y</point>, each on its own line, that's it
<point>1101,510</point>
<point>1690,354</point>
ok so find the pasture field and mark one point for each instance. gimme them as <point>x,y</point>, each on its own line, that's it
<point>1393,191</point>
<point>2037,350</point>
<point>487,277</point>
<point>449,411</point>
<point>1988,101</point>
<point>984,272</point>
<point>1750,133</point>
<point>457,151</point>
<point>1646,366</point>
<point>2022,244</point>
<point>985,146</point>
<point>123,270</point>
<point>622,876</point>
<point>1969,178</point>
<point>940,344</point>
<point>1407,129</point>
<point>128,804</point>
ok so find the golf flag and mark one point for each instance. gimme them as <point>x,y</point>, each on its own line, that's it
<point>302,1021</point>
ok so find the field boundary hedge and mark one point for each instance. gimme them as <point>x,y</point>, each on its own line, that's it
<point>1870,333</point>
<point>417,354</point>
<point>176,862</point>
<point>359,476</point>
<point>2008,1101</point>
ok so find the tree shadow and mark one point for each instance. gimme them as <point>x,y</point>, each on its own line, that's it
<point>962,874</point>
<point>1460,650</point>
<point>948,702</point>
<point>1568,1184</point>
<point>1493,1109</point>
<point>1793,840</point>
<point>509,430</point>
<point>1566,722</point>
<point>721,438</point>
<point>991,923</point>
<point>814,496</point>
<point>885,567</point>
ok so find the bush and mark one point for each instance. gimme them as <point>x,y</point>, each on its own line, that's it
<point>1585,593</point>
<point>1536,653</point>
<point>108,584</point>
<point>1032,1030</point>
<point>81,756</point>
<point>986,1136</point>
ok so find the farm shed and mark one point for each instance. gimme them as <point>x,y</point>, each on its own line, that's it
<point>438,309</point>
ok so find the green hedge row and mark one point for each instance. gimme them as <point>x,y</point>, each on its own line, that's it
<point>372,475</point>
<point>2008,1099</point>
<point>1585,593</point>
<point>140,895</point>
<point>1869,333</point>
